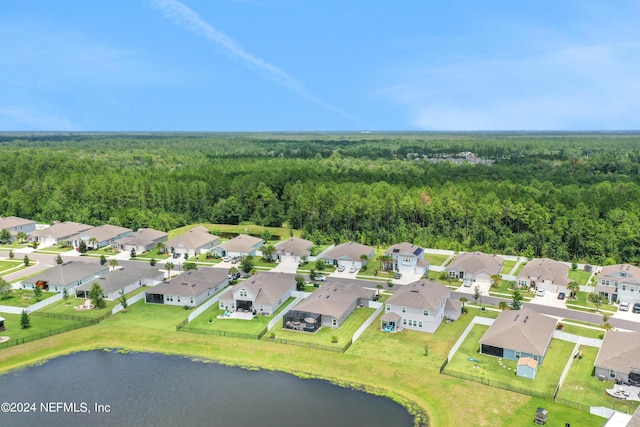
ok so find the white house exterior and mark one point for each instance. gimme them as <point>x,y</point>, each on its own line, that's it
<point>66,276</point>
<point>262,294</point>
<point>143,240</point>
<point>126,278</point>
<point>476,266</point>
<point>240,246</point>
<point>293,250</point>
<point>349,255</point>
<point>419,306</point>
<point>194,242</point>
<point>620,282</point>
<point>15,225</point>
<point>619,357</point>
<point>407,258</point>
<point>59,233</point>
<point>544,273</point>
<point>191,288</point>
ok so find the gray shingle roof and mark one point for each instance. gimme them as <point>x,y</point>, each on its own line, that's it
<point>191,283</point>
<point>102,233</point>
<point>242,243</point>
<point>269,287</point>
<point>62,229</point>
<point>620,351</point>
<point>68,273</point>
<point>13,221</point>
<point>540,269</point>
<point>521,330</point>
<point>349,250</point>
<point>294,246</point>
<point>404,248</point>
<point>193,239</point>
<point>333,299</point>
<point>475,262</point>
<point>423,294</point>
<point>121,277</point>
<point>621,273</point>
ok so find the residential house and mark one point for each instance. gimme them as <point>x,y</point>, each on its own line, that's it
<point>519,333</point>
<point>293,250</point>
<point>619,282</point>
<point>407,258</point>
<point>59,233</point>
<point>190,289</point>
<point>66,276</point>
<point>194,242</point>
<point>349,254</point>
<point>15,225</point>
<point>262,293</point>
<point>99,237</point>
<point>419,306</point>
<point>240,246</point>
<point>329,305</point>
<point>476,266</point>
<point>126,278</point>
<point>544,273</point>
<point>142,240</point>
<point>619,357</point>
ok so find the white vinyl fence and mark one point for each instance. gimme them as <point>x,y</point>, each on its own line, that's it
<point>299,297</point>
<point>476,321</point>
<point>33,307</point>
<point>372,304</point>
<point>130,301</point>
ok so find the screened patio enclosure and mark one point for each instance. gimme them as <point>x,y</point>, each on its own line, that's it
<point>302,321</point>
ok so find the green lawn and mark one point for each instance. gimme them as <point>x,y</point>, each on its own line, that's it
<point>435,259</point>
<point>23,298</point>
<point>489,369</point>
<point>519,269</point>
<point>507,266</point>
<point>317,249</point>
<point>6,265</point>
<point>55,249</point>
<point>582,387</point>
<point>579,276</point>
<point>39,325</point>
<point>323,335</point>
<point>67,307</point>
<point>250,327</point>
<point>152,316</point>
<point>582,301</point>
<point>582,331</point>
<point>217,229</point>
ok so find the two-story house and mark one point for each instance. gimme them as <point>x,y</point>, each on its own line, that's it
<point>407,258</point>
<point>619,282</point>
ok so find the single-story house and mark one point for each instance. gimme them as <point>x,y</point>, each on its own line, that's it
<point>15,225</point>
<point>519,333</point>
<point>544,273</point>
<point>59,233</point>
<point>143,240</point>
<point>191,288</point>
<point>527,367</point>
<point>125,278</point>
<point>263,293</point>
<point>240,246</point>
<point>349,255</point>
<point>419,306</point>
<point>293,250</point>
<point>329,305</point>
<point>407,258</point>
<point>99,237</point>
<point>476,266</point>
<point>619,357</point>
<point>66,276</point>
<point>619,282</point>
<point>193,242</point>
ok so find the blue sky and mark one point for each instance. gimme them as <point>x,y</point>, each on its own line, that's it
<point>292,65</point>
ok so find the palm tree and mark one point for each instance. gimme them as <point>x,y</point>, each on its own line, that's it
<point>168,266</point>
<point>464,300</point>
<point>267,252</point>
<point>379,288</point>
<point>21,236</point>
<point>113,263</point>
<point>93,242</point>
<point>503,305</point>
<point>160,247</point>
<point>495,279</point>
<point>573,287</point>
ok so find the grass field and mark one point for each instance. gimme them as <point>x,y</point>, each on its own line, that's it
<point>38,325</point>
<point>67,307</point>
<point>7,266</point>
<point>579,276</point>
<point>435,259</point>
<point>507,266</point>
<point>23,298</point>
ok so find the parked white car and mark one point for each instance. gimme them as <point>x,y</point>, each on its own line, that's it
<point>540,292</point>
<point>624,306</point>
<point>352,269</point>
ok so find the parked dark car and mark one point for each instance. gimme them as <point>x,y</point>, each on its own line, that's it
<point>176,255</point>
<point>397,276</point>
<point>561,295</point>
<point>636,307</point>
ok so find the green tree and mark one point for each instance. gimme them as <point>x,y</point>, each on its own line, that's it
<point>113,263</point>
<point>65,294</point>
<point>168,266</point>
<point>188,266</point>
<point>160,247</point>
<point>26,261</point>
<point>11,254</point>
<point>300,283</point>
<point>103,259</point>
<point>320,264</point>
<point>476,293</point>
<point>133,253</point>
<point>266,235</point>
<point>495,280</point>
<point>464,300</point>
<point>152,262</point>
<point>379,288</point>
<point>516,301</point>
<point>21,236</point>
<point>246,264</point>
<point>5,289</point>
<point>59,260</point>
<point>96,295</point>
<point>93,242</point>
<point>267,252</point>
<point>5,236</point>
<point>82,247</point>
<point>25,320</point>
<point>573,288</point>
<point>596,299</point>
<point>312,274</point>
<point>122,299</point>
<point>37,293</point>
<point>503,305</point>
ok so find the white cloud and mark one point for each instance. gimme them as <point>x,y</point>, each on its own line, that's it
<point>190,20</point>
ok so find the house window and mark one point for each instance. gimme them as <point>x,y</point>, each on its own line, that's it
<point>261,308</point>
<point>243,293</point>
<point>420,324</point>
<point>517,355</point>
<point>191,299</point>
<point>388,307</point>
<point>404,309</point>
<point>632,288</point>
<point>425,312</point>
<point>606,282</point>
<point>536,357</point>
<point>452,274</point>
<point>406,260</point>
<point>612,373</point>
<point>334,322</point>
<point>178,298</point>
<point>624,287</point>
<point>404,322</point>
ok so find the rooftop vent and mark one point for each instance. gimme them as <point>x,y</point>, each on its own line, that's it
<point>525,319</point>
<point>516,318</point>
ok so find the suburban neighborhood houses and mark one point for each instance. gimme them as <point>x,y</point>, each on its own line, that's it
<point>430,299</point>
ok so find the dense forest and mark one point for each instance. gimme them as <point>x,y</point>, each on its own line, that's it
<point>568,196</point>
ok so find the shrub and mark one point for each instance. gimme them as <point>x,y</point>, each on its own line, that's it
<point>334,339</point>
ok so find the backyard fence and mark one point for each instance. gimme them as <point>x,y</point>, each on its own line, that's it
<point>67,317</point>
<point>312,345</point>
<point>18,341</point>
<point>372,304</point>
<point>475,321</point>
<point>134,299</point>
<point>299,297</point>
<point>498,384</point>
<point>572,404</point>
<point>204,307</point>
<point>33,307</point>
<point>186,328</point>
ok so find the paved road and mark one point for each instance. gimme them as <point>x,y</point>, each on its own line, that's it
<point>40,262</point>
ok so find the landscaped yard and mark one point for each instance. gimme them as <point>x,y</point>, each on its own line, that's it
<point>581,302</point>
<point>9,266</point>
<point>582,330</point>
<point>490,369</point>
<point>579,276</point>
<point>507,266</point>
<point>323,335</point>
<point>581,386</point>
<point>38,325</point>
<point>250,327</point>
<point>519,269</point>
<point>67,307</point>
<point>435,259</point>
<point>23,298</point>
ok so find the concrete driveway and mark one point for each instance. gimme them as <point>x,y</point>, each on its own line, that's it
<point>484,288</point>
<point>286,267</point>
<point>550,299</point>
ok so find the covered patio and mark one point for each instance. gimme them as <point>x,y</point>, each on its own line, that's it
<point>390,322</point>
<point>302,321</point>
